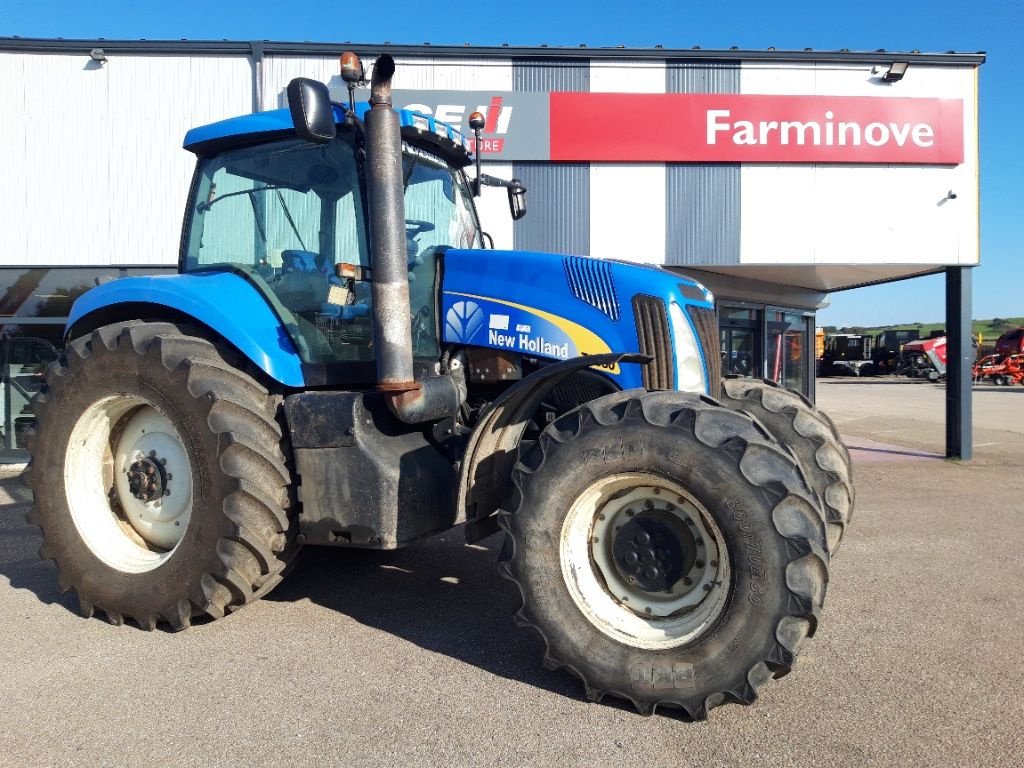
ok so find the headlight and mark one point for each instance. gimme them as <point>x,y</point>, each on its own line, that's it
<point>689,360</point>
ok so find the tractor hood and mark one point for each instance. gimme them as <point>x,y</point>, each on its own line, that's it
<point>552,306</point>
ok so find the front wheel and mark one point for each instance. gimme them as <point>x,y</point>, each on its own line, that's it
<point>808,431</point>
<point>667,551</point>
<point>159,477</point>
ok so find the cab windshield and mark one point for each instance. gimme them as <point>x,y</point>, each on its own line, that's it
<point>288,213</point>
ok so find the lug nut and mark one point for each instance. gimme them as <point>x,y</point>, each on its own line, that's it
<point>649,504</point>
<point>714,563</point>
<point>687,580</point>
<point>699,563</point>
<point>630,513</point>
<point>707,587</point>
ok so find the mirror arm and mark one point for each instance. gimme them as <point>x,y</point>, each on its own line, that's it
<point>493,181</point>
<point>477,185</point>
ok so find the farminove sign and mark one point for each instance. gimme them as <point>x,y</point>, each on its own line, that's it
<point>697,127</point>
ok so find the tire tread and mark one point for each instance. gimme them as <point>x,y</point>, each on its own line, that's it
<point>724,430</point>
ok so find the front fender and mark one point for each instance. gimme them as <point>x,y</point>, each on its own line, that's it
<point>225,302</point>
<point>486,472</point>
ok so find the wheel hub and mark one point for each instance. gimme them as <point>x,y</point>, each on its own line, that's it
<point>135,523</point>
<point>147,478</point>
<point>644,560</point>
<point>653,552</point>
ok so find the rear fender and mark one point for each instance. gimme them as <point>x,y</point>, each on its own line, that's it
<point>224,302</point>
<point>486,473</point>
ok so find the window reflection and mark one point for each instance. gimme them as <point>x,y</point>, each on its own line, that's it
<point>740,333</point>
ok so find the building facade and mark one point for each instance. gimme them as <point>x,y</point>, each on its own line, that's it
<point>773,177</point>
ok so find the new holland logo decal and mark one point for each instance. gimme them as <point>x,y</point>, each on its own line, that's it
<point>486,322</point>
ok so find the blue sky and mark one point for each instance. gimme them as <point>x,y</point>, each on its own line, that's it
<point>993,26</point>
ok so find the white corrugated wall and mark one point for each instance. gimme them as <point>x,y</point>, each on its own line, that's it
<point>861,214</point>
<point>93,165</point>
<point>95,174</point>
<point>627,200</point>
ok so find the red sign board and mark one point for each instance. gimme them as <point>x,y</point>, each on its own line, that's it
<point>747,128</point>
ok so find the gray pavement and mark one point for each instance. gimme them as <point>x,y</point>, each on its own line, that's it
<point>411,658</point>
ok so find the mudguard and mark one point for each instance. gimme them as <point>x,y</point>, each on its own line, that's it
<point>223,301</point>
<point>486,470</point>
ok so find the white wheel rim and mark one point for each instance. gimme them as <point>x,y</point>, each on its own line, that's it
<point>132,530</point>
<point>596,576</point>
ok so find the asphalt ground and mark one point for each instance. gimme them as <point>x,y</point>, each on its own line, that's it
<point>411,658</point>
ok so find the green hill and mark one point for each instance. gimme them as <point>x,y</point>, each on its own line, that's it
<point>989,329</point>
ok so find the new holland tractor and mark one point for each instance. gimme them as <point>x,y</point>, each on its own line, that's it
<point>341,362</point>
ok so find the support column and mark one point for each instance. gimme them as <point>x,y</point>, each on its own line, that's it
<point>959,360</point>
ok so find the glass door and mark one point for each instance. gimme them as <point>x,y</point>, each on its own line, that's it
<point>789,349</point>
<point>739,329</point>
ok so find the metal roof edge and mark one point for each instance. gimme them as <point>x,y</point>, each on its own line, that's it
<point>270,47</point>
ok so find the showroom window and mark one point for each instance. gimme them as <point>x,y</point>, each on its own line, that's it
<point>761,341</point>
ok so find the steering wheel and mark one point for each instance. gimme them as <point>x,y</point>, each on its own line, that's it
<point>416,227</point>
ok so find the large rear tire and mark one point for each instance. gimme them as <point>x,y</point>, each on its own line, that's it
<point>159,477</point>
<point>667,551</point>
<point>808,431</point>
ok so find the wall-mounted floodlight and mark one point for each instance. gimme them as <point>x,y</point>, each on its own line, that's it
<point>895,72</point>
<point>97,54</point>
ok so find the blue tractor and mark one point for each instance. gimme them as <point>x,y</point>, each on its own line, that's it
<point>341,362</point>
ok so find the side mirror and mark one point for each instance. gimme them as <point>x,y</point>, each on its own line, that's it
<point>312,113</point>
<point>517,199</point>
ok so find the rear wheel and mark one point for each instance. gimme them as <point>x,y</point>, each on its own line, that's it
<point>159,477</point>
<point>666,549</point>
<point>798,424</point>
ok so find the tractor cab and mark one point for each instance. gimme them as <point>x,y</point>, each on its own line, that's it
<point>291,217</point>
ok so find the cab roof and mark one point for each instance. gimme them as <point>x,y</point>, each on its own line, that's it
<point>246,130</point>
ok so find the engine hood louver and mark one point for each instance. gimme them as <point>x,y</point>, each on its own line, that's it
<point>591,282</point>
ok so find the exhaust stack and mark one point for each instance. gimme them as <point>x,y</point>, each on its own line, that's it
<point>411,401</point>
<point>392,328</point>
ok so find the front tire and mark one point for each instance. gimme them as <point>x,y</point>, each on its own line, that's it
<point>808,431</point>
<point>160,482</point>
<point>730,547</point>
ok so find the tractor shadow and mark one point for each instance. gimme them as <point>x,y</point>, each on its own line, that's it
<point>19,547</point>
<point>441,595</point>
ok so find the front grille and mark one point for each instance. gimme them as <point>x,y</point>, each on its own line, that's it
<point>706,322</point>
<point>655,340</point>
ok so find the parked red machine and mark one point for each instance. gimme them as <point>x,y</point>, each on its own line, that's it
<point>924,351</point>
<point>998,369</point>
<point>1011,342</point>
